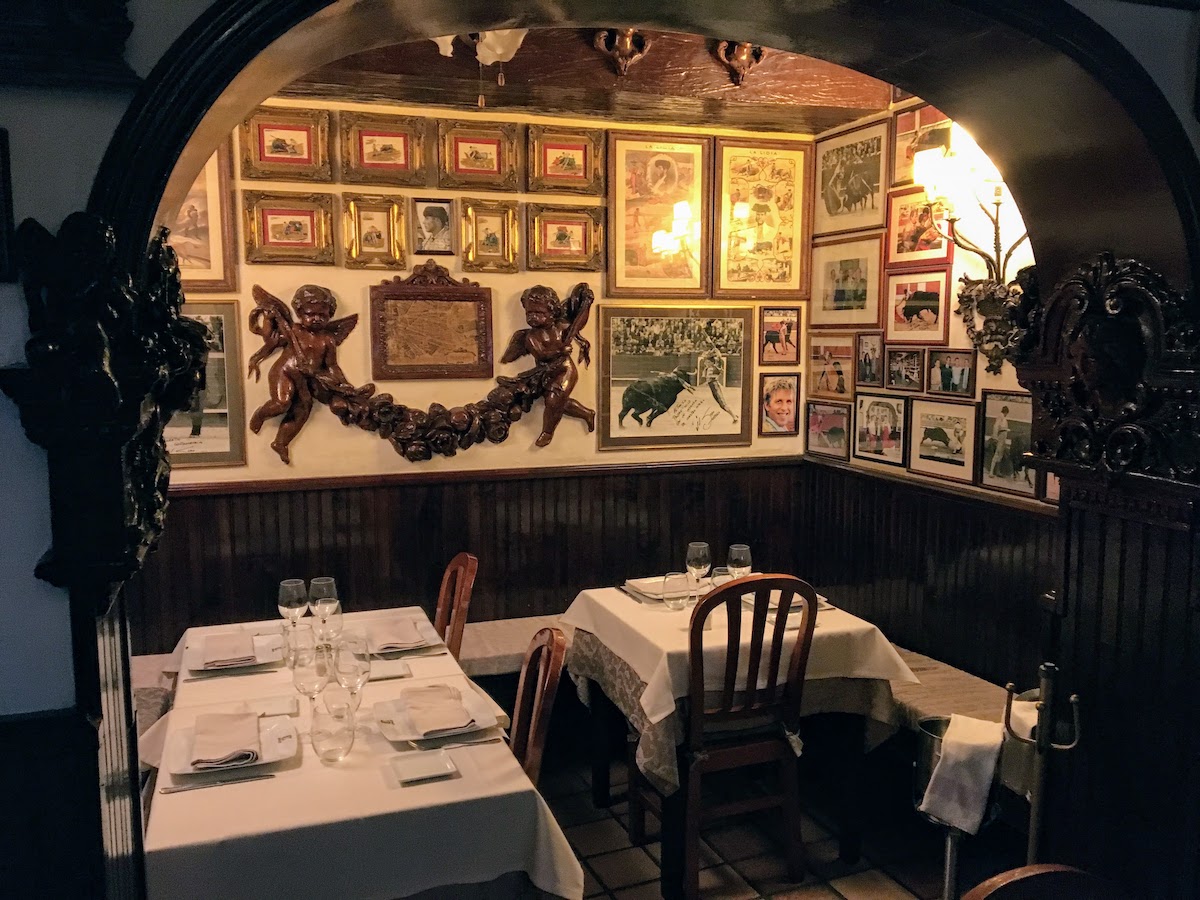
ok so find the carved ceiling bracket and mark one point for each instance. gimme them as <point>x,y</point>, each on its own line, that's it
<point>739,57</point>
<point>624,46</point>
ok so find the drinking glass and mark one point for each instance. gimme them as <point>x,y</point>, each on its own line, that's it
<point>352,664</point>
<point>675,590</point>
<point>322,596</point>
<point>739,560</point>
<point>721,575</point>
<point>332,731</point>
<point>329,626</point>
<point>310,673</point>
<point>298,637</point>
<point>293,599</point>
<point>698,561</point>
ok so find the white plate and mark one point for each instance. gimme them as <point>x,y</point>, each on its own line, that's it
<point>268,650</point>
<point>773,602</point>
<point>276,737</point>
<point>396,725</point>
<point>652,587</point>
<point>424,629</point>
<point>424,765</point>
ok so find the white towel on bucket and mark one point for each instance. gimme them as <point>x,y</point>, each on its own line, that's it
<point>958,790</point>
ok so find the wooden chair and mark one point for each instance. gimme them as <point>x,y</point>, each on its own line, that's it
<point>740,724</point>
<point>1045,881</point>
<point>536,690</point>
<point>453,599</point>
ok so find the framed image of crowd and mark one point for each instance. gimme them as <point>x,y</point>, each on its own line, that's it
<point>433,226</point>
<point>917,307</point>
<point>880,425</point>
<point>846,280</point>
<point>916,231</point>
<point>903,369</point>
<point>831,365</point>
<point>203,233</point>
<point>778,332</point>
<point>564,238</point>
<point>672,377</point>
<point>1005,437</point>
<point>952,372</point>
<point>868,360</point>
<point>489,236</point>
<point>763,218</point>
<point>779,394</point>
<point>915,129</point>
<point>212,431</point>
<point>286,144</point>
<point>567,160</point>
<point>479,154</point>
<point>941,440</point>
<point>828,429</point>
<point>850,172</point>
<point>659,215</point>
<point>384,149</point>
<point>373,232</point>
<point>288,228</point>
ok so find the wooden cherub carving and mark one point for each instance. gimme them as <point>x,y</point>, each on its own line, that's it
<point>553,326</point>
<point>307,369</point>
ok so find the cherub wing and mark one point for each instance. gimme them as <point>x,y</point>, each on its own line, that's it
<point>579,306</point>
<point>341,328</point>
<point>270,305</point>
<point>272,321</point>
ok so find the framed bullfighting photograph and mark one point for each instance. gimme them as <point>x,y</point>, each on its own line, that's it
<point>384,149</point>
<point>913,130</point>
<point>828,429</point>
<point>373,231</point>
<point>941,439</point>
<point>204,229</point>
<point>779,394</point>
<point>1005,436</point>
<point>831,365</point>
<point>286,144</point>
<point>489,235</point>
<point>880,429</point>
<point>566,160</point>
<point>917,307</point>
<point>850,177</point>
<point>846,283</point>
<point>673,377</point>
<point>917,231</point>
<point>479,154</point>
<point>779,335</point>
<point>564,238</point>
<point>288,228</point>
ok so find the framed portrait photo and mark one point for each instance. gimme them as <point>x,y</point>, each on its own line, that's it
<point>904,369</point>
<point>288,228</point>
<point>373,231</point>
<point>868,359</point>
<point>827,427</point>
<point>846,283</point>
<point>764,218</point>
<point>917,307</point>
<point>850,178</point>
<point>779,335</point>
<point>565,238</point>
<point>951,373</point>
<point>916,231</point>
<point>566,160</point>
<point>379,149</point>
<point>479,154</point>
<point>941,440</point>
<point>433,226</point>
<point>1005,436</point>
<point>831,365</point>
<point>489,235</point>
<point>880,429</point>
<point>779,404</point>
<point>204,229</point>
<point>913,130</point>
<point>675,376</point>
<point>286,144</point>
<point>659,215</point>
<point>212,431</point>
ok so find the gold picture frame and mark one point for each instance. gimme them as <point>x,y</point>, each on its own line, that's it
<point>285,144</point>
<point>565,160</point>
<point>204,229</point>
<point>378,149</point>
<point>373,231</point>
<point>282,227</point>
<point>479,155</point>
<point>489,235</point>
<point>564,238</point>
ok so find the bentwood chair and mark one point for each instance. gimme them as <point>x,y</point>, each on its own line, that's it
<point>453,599</point>
<point>740,715</point>
<point>1045,881</point>
<point>536,690</point>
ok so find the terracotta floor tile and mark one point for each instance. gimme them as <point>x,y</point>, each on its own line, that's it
<point>739,841</point>
<point>575,809</point>
<point>591,887</point>
<point>816,891</point>
<point>593,838</point>
<point>723,883</point>
<point>870,885</point>
<point>624,868</point>
<point>647,891</point>
<point>708,856</point>
<point>823,860</point>
<point>768,874</point>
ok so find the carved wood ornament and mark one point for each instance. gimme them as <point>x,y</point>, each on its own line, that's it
<point>624,46</point>
<point>739,57</point>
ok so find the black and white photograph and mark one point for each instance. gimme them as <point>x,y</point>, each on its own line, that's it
<point>941,441</point>
<point>868,360</point>
<point>951,372</point>
<point>903,369</point>
<point>433,227</point>
<point>1006,425</point>
<point>673,377</point>
<point>879,428</point>
<point>850,180</point>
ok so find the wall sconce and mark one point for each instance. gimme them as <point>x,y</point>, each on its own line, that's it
<point>490,47</point>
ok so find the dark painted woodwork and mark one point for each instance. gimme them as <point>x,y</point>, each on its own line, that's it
<point>65,43</point>
<point>8,259</point>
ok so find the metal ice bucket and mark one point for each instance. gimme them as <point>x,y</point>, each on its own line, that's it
<point>930,732</point>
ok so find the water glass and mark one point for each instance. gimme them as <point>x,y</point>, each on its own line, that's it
<point>293,599</point>
<point>721,575</point>
<point>739,560</point>
<point>322,596</point>
<point>332,731</point>
<point>675,590</point>
<point>296,638</point>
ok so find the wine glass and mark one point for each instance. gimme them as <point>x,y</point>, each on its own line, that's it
<point>352,664</point>
<point>310,673</point>
<point>322,596</point>
<point>698,561</point>
<point>329,626</point>
<point>739,560</point>
<point>675,590</point>
<point>293,599</point>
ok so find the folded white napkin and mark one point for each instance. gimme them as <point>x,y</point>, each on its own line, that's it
<point>1024,717</point>
<point>396,634</point>
<point>962,779</point>
<point>225,740</point>
<point>233,649</point>
<point>435,709</point>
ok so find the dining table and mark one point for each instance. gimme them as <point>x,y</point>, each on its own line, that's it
<point>354,828</point>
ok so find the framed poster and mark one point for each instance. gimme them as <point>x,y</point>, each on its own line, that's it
<point>779,395</point>
<point>564,238</point>
<point>433,228</point>
<point>881,429</point>
<point>373,231</point>
<point>917,307</point>
<point>212,431</point>
<point>941,441</point>
<point>916,231</point>
<point>913,130</point>
<point>846,283</point>
<point>831,365</point>
<point>675,376</point>
<point>904,369</point>
<point>764,218</point>
<point>1005,436</point>
<point>659,215</point>
<point>567,160</point>
<point>778,333</point>
<point>479,154</point>
<point>203,229</point>
<point>489,236</point>
<point>868,359</point>
<point>828,429</point>
<point>288,228</point>
<point>952,373</point>
<point>850,180</point>
<point>384,149</point>
<point>286,144</point>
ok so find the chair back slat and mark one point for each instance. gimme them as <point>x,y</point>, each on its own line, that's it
<point>733,639</point>
<point>454,598</point>
<point>541,671</point>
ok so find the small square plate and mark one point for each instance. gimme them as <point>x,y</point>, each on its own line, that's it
<point>423,765</point>
<point>268,651</point>
<point>277,740</point>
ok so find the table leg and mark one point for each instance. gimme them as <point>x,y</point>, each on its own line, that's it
<point>674,812</point>
<point>600,717</point>
<point>850,809</point>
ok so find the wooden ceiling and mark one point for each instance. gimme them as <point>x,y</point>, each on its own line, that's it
<point>559,71</point>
